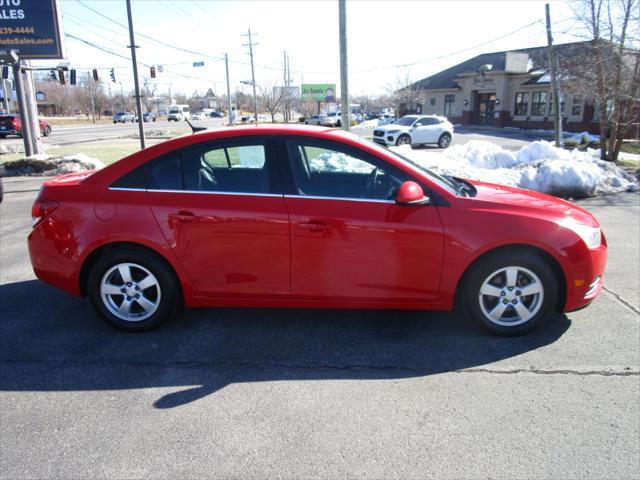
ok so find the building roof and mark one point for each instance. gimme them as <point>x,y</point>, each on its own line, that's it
<point>538,57</point>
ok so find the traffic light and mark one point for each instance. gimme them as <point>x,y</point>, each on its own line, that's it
<point>113,75</point>
<point>53,75</point>
<point>153,72</point>
<point>61,77</point>
<point>72,76</point>
<point>95,74</point>
<point>5,72</point>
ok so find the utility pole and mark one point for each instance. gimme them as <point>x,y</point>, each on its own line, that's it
<point>226,65</point>
<point>22,105</point>
<point>344,77</point>
<point>286,91</point>
<point>253,75</point>
<point>93,102</point>
<point>31,115</point>
<point>6,93</point>
<point>557,114</point>
<point>135,75</point>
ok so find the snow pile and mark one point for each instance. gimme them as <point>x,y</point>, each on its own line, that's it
<point>338,162</point>
<point>365,128</point>
<point>156,133</point>
<point>11,148</point>
<point>581,138</point>
<point>49,166</point>
<point>539,166</point>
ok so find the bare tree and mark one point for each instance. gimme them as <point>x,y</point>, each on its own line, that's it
<point>404,93</point>
<point>272,99</point>
<point>607,71</point>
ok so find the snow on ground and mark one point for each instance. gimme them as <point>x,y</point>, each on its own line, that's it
<point>538,166</point>
<point>48,165</point>
<point>365,128</point>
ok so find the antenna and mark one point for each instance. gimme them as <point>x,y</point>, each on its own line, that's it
<point>194,129</point>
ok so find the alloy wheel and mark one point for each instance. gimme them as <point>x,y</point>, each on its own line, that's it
<point>511,296</point>
<point>130,292</point>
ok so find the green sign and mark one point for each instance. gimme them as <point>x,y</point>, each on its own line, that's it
<point>320,92</point>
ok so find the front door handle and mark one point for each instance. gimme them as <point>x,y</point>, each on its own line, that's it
<point>314,226</point>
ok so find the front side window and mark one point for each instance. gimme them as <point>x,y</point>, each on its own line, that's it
<point>234,169</point>
<point>449,104</point>
<point>538,103</point>
<point>322,169</point>
<point>522,103</point>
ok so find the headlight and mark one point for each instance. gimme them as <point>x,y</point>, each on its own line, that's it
<point>591,236</point>
<point>393,131</point>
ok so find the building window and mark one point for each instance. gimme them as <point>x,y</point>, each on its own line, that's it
<point>449,104</point>
<point>538,103</point>
<point>562,102</point>
<point>522,103</point>
<point>576,109</point>
<point>596,110</point>
<point>432,102</point>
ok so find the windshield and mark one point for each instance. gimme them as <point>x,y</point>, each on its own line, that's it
<point>405,121</point>
<point>439,179</point>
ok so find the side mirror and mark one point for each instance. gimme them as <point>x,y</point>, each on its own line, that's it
<point>417,125</point>
<point>410,193</point>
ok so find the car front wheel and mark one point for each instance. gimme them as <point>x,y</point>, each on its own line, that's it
<point>133,289</point>
<point>403,140</point>
<point>445,140</point>
<point>510,293</point>
<point>46,131</point>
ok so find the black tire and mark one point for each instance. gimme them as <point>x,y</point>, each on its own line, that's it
<point>46,132</point>
<point>167,282</point>
<point>541,308</point>
<point>339,124</point>
<point>3,135</point>
<point>114,122</point>
<point>402,140</point>
<point>445,140</point>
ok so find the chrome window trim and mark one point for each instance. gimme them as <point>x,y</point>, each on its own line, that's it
<point>202,192</point>
<point>368,200</point>
<point>311,197</point>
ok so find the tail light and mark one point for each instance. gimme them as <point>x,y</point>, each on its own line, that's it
<point>41,209</point>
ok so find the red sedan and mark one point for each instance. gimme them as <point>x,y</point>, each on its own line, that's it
<point>313,217</point>
<point>11,124</point>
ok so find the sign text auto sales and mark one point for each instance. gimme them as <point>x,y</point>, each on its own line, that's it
<point>8,10</point>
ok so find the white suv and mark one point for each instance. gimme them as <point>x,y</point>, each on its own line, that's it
<point>415,130</point>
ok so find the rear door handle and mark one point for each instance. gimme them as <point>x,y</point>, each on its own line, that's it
<point>314,226</point>
<point>182,216</point>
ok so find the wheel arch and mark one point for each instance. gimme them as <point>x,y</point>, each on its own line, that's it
<point>91,259</point>
<point>549,259</point>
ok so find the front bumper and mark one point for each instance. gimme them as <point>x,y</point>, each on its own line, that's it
<point>386,140</point>
<point>585,280</point>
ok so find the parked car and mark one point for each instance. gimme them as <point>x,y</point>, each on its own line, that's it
<point>252,118</point>
<point>149,116</point>
<point>334,119</point>
<point>322,120</point>
<point>295,216</point>
<point>216,114</point>
<point>198,116</point>
<point>124,117</point>
<point>178,113</point>
<point>415,130</point>
<point>12,125</point>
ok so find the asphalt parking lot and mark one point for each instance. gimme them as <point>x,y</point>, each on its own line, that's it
<point>300,394</point>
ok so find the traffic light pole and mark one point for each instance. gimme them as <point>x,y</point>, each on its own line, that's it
<point>32,111</point>
<point>135,75</point>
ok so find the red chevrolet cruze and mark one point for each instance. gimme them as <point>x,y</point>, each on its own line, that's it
<point>308,217</point>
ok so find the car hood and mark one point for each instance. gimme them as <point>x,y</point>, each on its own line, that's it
<point>501,197</point>
<point>393,126</point>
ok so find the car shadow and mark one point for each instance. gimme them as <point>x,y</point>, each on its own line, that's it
<point>50,341</point>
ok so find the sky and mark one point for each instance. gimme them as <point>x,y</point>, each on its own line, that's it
<point>388,41</point>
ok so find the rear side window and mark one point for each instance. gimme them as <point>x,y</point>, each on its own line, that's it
<point>135,179</point>
<point>165,174</point>
<point>232,168</point>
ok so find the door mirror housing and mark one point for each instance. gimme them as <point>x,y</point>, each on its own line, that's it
<point>410,193</point>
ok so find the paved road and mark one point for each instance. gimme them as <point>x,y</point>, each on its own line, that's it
<point>299,394</point>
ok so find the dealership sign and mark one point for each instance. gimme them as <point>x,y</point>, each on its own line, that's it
<point>31,28</point>
<point>320,92</point>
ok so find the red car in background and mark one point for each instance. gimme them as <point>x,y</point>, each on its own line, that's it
<point>288,216</point>
<point>11,124</point>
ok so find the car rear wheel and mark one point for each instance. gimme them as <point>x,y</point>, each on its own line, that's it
<point>46,131</point>
<point>445,140</point>
<point>133,289</point>
<point>3,135</point>
<point>403,140</point>
<point>510,293</point>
